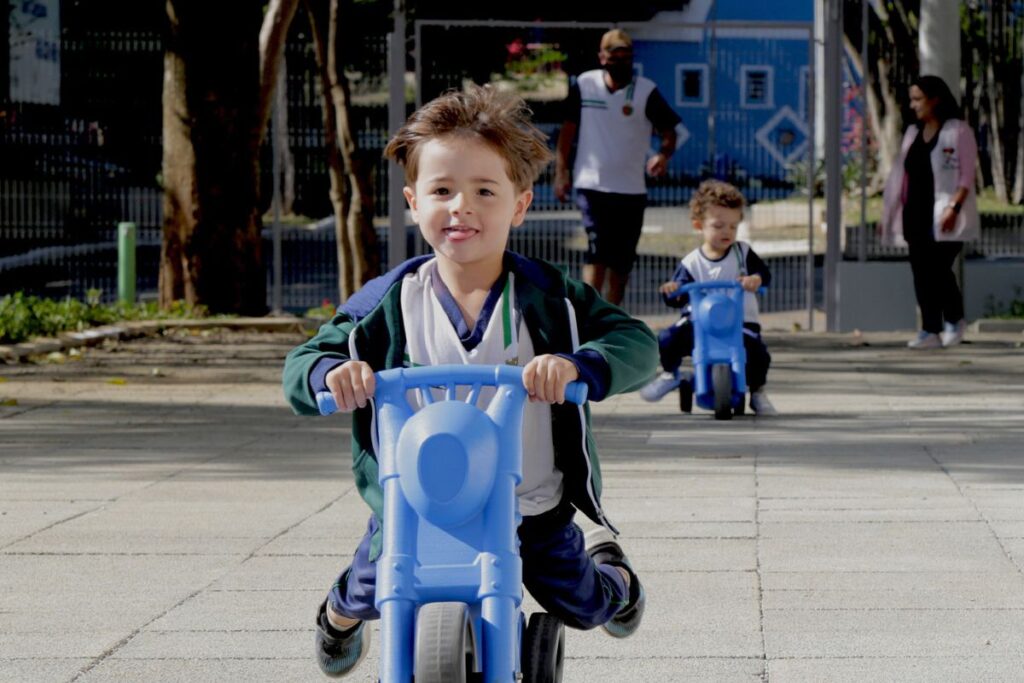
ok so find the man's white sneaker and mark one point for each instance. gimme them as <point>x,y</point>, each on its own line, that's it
<point>953,333</point>
<point>659,386</point>
<point>760,404</point>
<point>925,340</point>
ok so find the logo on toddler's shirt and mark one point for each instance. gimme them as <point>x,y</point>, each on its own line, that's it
<point>949,158</point>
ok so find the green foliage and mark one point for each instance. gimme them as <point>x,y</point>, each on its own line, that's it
<point>24,317</point>
<point>1015,309</point>
<point>324,312</point>
<point>796,173</point>
<point>531,67</point>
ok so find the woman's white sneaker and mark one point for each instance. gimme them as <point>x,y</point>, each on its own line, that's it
<point>953,333</point>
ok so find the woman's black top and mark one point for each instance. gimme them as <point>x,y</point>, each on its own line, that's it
<point>918,211</point>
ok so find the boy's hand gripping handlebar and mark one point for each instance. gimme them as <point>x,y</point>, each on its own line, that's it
<point>450,376</point>
<point>710,284</point>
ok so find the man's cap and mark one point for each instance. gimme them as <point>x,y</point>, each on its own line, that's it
<point>616,39</point>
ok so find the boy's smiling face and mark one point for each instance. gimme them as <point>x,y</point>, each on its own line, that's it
<point>464,201</point>
<point>718,225</point>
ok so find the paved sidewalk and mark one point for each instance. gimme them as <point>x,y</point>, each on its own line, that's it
<point>164,517</point>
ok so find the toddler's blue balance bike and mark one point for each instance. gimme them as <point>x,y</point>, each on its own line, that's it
<point>449,579</point>
<point>719,381</point>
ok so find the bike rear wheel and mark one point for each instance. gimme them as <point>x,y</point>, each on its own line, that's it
<point>721,381</point>
<point>543,649</point>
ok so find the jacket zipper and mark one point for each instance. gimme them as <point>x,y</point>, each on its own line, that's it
<point>574,332</point>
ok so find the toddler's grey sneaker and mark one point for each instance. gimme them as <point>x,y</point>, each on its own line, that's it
<point>603,549</point>
<point>659,386</point>
<point>338,652</point>
<point>760,404</point>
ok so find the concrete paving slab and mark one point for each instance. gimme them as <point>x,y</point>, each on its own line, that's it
<point>921,546</point>
<point>24,518</point>
<point>677,669</point>
<point>45,669</point>
<point>901,669</point>
<point>873,530</point>
<point>882,590</point>
<point>893,633</point>
<point>192,670</point>
<point>240,611</point>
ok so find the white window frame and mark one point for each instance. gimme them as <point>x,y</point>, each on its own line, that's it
<point>769,71</point>
<point>692,66</point>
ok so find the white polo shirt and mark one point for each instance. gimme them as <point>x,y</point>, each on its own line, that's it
<point>614,134</point>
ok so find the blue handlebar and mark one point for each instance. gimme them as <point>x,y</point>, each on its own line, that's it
<point>450,375</point>
<point>713,284</point>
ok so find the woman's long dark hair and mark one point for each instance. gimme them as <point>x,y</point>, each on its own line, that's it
<point>934,87</point>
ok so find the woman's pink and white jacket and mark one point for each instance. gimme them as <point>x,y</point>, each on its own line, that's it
<point>954,159</point>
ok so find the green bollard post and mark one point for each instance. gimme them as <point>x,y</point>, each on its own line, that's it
<point>126,262</point>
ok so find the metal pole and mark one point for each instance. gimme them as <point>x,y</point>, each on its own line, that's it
<point>862,242</point>
<point>812,162</point>
<point>833,162</point>
<point>712,101</point>
<point>275,154</point>
<point>126,262</point>
<point>397,252</point>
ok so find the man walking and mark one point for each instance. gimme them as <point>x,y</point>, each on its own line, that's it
<point>614,113</point>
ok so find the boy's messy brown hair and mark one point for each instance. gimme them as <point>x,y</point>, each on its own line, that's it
<point>714,193</point>
<point>501,119</point>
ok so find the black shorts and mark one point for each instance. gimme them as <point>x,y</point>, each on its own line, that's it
<point>613,223</point>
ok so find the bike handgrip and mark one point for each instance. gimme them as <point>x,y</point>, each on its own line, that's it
<point>326,403</point>
<point>575,392</point>
<point>724,284</point>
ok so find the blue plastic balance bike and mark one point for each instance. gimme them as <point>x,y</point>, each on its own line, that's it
<point>719,381</point>
<point>449,579</point>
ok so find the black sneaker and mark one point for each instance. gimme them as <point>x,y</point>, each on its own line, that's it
<point>338,652</point>
<point>603,549</point>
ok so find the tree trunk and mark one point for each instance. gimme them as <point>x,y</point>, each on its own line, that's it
<point>359,230</point>
<point>320,15</point>
<point>282,144</point>
<point>358,257</point>
<point>886,54</point>
<point>939,41</point>
<point>994,108</point>
<point>274,72</point>
<point>1018,175</point>
<point>211,248</point>
<point>880,119</point>
<point>273,37</point>
<point>287,158</point>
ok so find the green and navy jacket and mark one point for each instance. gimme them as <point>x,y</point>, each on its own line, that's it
<point>563,316</point>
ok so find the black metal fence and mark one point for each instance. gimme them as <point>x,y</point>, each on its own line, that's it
<point>70,173</point>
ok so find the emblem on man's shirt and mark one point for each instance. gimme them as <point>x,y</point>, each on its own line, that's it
<point>512,361</point>
<point>949,158</point>
<point>627,109</point>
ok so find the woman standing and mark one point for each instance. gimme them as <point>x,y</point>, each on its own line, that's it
<point>930,205</point>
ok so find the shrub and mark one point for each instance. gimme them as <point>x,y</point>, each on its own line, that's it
<point>24,317</point>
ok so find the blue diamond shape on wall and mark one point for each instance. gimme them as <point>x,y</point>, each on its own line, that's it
<point>784,136</point>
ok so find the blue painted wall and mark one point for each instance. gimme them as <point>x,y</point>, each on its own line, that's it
<point>765,10</point>
<point>755,140</point>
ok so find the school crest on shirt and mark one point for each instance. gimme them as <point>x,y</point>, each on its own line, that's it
<point>950,160</point>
